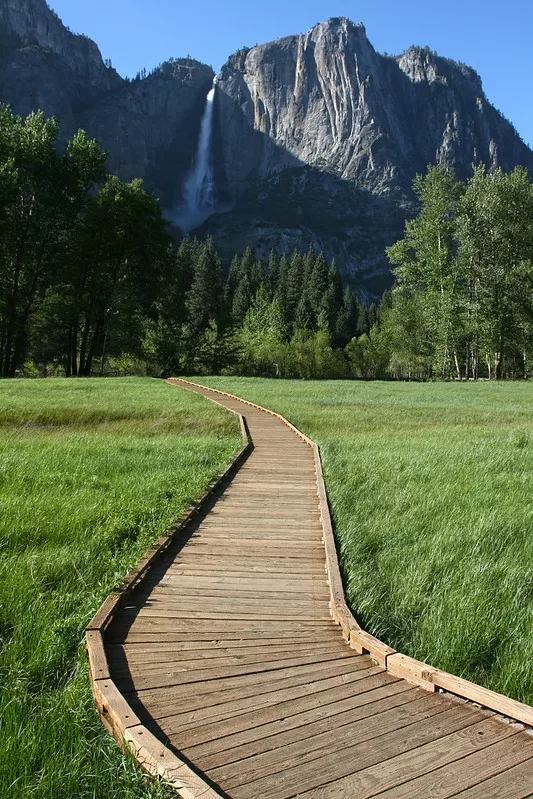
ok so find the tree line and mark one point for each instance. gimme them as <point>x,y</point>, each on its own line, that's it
<point>91,281</point>
<point>462,302</point>
<point>286,317</point>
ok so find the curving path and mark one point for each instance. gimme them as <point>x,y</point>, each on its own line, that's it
<point>227,651</point>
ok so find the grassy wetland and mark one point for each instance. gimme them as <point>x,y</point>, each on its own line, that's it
<point>91,472</point>
<point>431,492</point>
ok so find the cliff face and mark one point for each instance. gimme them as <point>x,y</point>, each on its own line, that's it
<point>317,137</point>
<point>148,127</point>
<point>320,138</point>
<point>327,99</point>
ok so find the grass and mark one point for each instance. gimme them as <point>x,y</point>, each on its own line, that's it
<point>431,491</point>
<point>91,472</point>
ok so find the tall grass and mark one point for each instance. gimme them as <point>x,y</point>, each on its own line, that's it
<point>91,472</point>
<point>431,491</point>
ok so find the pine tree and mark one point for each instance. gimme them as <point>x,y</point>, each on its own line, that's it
<point>272,276</point>
<point>346,323</point>
<point>282,287</point>
<point>241,300</point>
<point>204,300</point>
<point>305,318</point>
<point>294,286</point>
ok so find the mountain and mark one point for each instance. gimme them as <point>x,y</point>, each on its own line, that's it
<point>321,138</point>
<point>317,137</point>
<point>148,127</point>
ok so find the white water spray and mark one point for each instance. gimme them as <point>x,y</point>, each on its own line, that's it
<point>199,194</point>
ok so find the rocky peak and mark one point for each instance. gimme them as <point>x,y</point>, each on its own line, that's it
<point>35,24</point>
<point>421,64</point>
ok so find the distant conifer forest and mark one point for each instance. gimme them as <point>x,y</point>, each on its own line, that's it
<point>92,282</point>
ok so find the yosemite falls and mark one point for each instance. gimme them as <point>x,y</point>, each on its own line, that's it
<point>199,193</point>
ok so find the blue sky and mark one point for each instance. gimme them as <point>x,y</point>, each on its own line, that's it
<point>493,37</point>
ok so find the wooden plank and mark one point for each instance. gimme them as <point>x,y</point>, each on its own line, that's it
<point>253,767</point>
<point>218,543</point>
<point>122,633</point>
<point>147,622</point>
<point>318,607</point>
<point>175,719</point>
<point>115,711</point>
<point>244,558</point>
<point>155,662</point>
<point>364,643</point>
<point>515,783</point>
<point>297,712</point>
<point>168,612</point>
<point>217,646</point>
<point>295,586</point>
<point>278,734</point>
<point>442,782</point>
<point>211,651</point>
<point>491,699</point>
<point>181,674</point>
<point>346,758</point>
<point>105,611</point>
<point>236,571</point>
<point>155,758</point>
<point>171,700</point>
<point>98,665</point>
<point>224,688</point>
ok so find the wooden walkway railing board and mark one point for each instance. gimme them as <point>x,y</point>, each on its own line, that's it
<point>226,651</point>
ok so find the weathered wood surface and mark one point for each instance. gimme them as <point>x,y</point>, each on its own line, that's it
<point>227,652</point>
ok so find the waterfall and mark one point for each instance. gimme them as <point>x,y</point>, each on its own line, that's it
<point>199,194</point>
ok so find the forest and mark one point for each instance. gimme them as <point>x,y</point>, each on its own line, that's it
<point>93,283</point>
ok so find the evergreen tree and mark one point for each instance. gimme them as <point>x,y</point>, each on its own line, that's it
<point>241,300</point>
<point>282,287</point>
<point>332,301</point>
<point>346,323</point>
<point>294,286</point>
<point>272,276</point>
<point>317,286</point>
<point>204,300</point>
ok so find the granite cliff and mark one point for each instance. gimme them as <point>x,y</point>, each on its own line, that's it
<point>320,138</point>
<point>148,127</point>
<point>317,136</point>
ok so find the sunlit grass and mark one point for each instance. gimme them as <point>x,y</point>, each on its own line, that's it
<point>431,490</point>
<point>91,472</point>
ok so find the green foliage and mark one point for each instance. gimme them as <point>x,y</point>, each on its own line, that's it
<point>463,269</point>
<point>91,473</point>
<point>81,253</point>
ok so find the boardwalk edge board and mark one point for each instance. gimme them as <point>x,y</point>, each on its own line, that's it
<point>115,713</point>
<point>397,664</point>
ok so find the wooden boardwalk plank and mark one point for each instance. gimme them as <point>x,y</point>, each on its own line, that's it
<point>515,783</point>
<point>178,720</point>
<point>345,758</point>
<point>444,781</point>
<point>296,713</point>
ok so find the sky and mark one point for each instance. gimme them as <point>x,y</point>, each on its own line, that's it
<point>493,37</point>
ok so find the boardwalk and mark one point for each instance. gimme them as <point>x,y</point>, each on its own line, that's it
<point>227,651</point>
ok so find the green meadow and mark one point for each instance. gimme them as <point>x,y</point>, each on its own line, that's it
<point>431,492</point>
<point>91,472</point>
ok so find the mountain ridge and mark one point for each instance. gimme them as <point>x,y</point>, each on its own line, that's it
<point>317,136</point>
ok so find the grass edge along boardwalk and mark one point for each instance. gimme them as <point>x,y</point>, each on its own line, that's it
<point>227,652</point>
